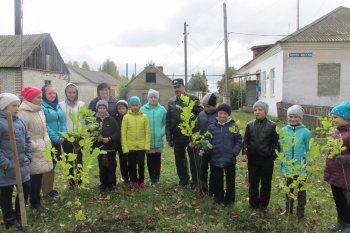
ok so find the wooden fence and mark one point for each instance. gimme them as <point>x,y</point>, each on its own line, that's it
<point>311,113</point>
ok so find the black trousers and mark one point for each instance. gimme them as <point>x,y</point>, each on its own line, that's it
<point>260,176</point>
<point>123,163</point>
<point>301,197</point>
<point>6,201</point>
<point>137,165</point>
<point>343,208</point>
<point>204,163</point>
<point>74,171</point>
<point>107,165</point>
<point>182,164</point>
<point>35,187</point>
<point>154,165</point>
<point>220,195</point>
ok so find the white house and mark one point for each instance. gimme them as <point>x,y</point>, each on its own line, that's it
<point>308,67</point>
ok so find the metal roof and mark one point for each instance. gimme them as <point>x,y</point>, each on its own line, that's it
<point>94,76</point>
<point>333,27</point>
<point>10,48</point>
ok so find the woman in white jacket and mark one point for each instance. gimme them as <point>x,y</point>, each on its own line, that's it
<point>72,104</point>
<point>34,118</point>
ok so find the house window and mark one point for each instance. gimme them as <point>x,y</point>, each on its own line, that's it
<point>263,84</point>
<point>272,82</point>
<point>151,77</point>
<point>328,79</point>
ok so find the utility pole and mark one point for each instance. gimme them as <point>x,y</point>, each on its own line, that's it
<point>298,15</point>
<point>185,45</point>
<point>226,98</point>
<point>127,71</point>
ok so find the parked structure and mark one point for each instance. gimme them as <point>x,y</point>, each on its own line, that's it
<point>40,59</point>
<point>308,67</point>
<point>151,77</point>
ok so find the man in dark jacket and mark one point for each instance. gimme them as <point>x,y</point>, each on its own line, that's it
<point>176,139</point>
<point>260,143</point>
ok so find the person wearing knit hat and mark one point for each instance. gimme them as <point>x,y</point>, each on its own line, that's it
<point>32,114</point>
<point>342,110</point>
<point>337,170</point>
<point>6,99</point>
<point>156,114</point>
<point>29,93</point>
<point>295,140</point>
<point>260,144</point>
<point>134,100</point>
<point>226,144</point>
<point>261,104</point>
<point>103,103</point>
<point>152,93</point>
<point>122,109</point>
<point>225,108</point>
<point>9,103</point>
<point>296,110</point>
<point>204,119</point>
<point>107,141</point>
<point>122,102</point>
<point>136,140</point>
<point>209,99</point>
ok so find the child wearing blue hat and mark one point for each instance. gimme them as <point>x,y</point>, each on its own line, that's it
<point>136,141</point>
<point>337,171</point>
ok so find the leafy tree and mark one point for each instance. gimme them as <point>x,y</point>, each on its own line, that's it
<point>85,66</point>
<point>76,64</point>
<point>110,68</point>
<point>122,89</point>
<point>237,91</point>
<point>198,83</point>
<point>151,63</point>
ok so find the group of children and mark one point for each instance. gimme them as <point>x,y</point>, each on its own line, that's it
<point>137,131</point>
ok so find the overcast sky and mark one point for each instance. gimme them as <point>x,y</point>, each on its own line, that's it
<point>140,31</point>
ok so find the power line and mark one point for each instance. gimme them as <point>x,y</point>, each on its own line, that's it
<point>253,34</point>
<point>211,53</point>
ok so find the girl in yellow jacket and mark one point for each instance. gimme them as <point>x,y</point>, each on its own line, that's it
<point>136,141</point>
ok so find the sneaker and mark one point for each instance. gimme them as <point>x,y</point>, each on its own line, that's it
<point>48,197</point>
<point>54,193</point>
<point>135,185</point>
<point>142,185</point>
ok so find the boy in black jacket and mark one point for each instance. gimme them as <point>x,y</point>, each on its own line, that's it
<point>260,143</point>
<point>107,142</point>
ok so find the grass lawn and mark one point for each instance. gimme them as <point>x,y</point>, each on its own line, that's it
<point>169,208</point>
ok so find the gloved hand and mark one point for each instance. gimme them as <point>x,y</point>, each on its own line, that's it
<point>341,159</point>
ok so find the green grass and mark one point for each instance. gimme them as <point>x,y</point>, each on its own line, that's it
<point>169,208</point>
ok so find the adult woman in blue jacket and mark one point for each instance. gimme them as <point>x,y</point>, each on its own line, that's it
<point>156,114</point>
<point>55,123</point>
<point>226,144</point>
<point>9,103</point>
<point>294,141</point>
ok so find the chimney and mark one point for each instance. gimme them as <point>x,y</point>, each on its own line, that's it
<point>160,68</point>
<point>18,17</point>
<point>257,50</point>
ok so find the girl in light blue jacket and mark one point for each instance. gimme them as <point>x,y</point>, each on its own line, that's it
<point>55,123</point>
<point>294,141</point>
<point>156,114</point>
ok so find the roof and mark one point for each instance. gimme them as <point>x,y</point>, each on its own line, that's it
<point>333,27</point>
<point>147,69</point>
<point>10,48</point>
<point>94,76</point>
